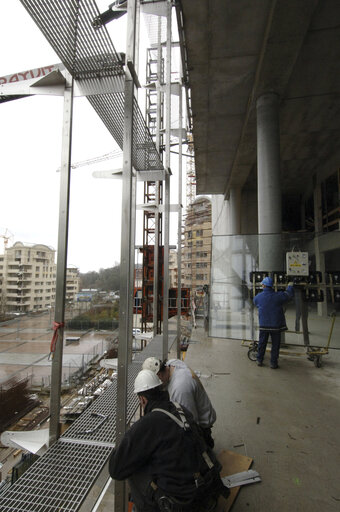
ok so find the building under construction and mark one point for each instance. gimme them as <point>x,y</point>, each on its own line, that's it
<point>261,84</point>
<point>196,259</point>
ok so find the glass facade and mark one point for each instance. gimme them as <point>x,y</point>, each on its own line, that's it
<point>237,274</point>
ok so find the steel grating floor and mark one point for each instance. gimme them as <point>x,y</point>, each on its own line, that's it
<point>90,57</point>
<point>58,481</point>
<point>61,479</point>
<point>91,427</point>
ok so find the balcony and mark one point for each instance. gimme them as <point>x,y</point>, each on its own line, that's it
<point>23,301</point>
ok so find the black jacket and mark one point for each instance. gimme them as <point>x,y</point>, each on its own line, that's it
<point>156,445</point>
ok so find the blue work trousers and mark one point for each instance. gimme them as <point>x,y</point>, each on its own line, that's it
<point>263,340</point>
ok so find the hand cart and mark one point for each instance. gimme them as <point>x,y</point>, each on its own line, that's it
<point>313,353</point>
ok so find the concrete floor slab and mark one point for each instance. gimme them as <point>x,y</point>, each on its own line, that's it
<point>19,358</point>
<point>286,420</point>
<point>8,345</point>
<point>32,347</point>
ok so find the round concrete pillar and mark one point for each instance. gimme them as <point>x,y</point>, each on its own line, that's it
<point>269,183</point>
<point>235,211</point>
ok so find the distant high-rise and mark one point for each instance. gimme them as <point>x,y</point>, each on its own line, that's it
<point>28,278</point>
<point>196,259</point>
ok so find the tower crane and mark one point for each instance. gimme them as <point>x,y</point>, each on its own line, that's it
<point>101,158</point>
<point>6,236</point>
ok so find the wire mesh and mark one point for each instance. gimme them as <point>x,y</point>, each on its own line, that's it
<point>155,20</point>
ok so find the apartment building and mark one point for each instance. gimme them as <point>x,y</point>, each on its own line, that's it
<point>196,254</point>
<point>28,278</point>
<point>72,283</point>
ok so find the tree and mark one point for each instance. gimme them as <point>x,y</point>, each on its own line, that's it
<point>107,279</point>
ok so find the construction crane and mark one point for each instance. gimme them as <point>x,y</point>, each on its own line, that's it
<point>101,158</point>
<point>6,236</point>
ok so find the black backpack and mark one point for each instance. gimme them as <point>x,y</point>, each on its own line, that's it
<point>208,481</point>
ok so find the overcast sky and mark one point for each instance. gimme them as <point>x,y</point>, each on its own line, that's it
<point>30,135</point>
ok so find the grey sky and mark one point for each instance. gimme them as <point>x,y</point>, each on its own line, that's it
<point>30,134</point>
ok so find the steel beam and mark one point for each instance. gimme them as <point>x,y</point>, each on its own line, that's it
<point>157,185</point>
<point>64,199</point>
<point>167,184</point>
<point>127,253</point>
<point>179,225</point>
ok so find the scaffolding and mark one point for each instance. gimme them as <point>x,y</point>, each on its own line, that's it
<point>91,67</point>
<point>153,256</point>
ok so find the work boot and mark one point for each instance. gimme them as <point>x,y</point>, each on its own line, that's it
<point>259,363</point>
<point>274,366</point>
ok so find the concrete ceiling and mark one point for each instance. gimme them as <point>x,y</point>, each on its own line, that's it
<point>240,49</point>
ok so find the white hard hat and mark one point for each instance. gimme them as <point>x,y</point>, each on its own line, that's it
<point>152,363</point>
<point>146,379</point>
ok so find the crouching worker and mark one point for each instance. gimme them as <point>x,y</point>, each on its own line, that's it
<point>164,457</point>
<point>185,388</point>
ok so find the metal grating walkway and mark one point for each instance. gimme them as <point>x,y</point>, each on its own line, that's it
<point>89,55</point>
<point>61,479</point>
<point>58,481</point>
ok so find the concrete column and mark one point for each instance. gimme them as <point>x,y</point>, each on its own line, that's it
<point>235,211</point>
<point>268,180</point>
<point>319,256</point>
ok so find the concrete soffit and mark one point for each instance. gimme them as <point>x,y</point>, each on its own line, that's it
<point>286,28</point>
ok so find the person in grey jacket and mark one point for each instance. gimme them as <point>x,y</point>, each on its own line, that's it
<point>184,387</point>
<point>271,319</point>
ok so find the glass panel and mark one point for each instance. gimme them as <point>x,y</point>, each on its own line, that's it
<point>236,277</point>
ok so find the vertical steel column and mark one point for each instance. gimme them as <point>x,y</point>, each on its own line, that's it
<point>167,183</point>
<point>135,59</point>
<point>132,260</point>
<point>127,253</point>
<point>157,199</point>
<point>59,312</point>
<point>158,83</point>
<point>179,226</point>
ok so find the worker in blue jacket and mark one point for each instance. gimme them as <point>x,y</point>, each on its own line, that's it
<point>271,319</point>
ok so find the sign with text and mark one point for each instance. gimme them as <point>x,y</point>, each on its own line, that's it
<point>297,263</point>
<point>30,73</point>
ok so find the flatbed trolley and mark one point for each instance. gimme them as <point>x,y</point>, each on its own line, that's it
<point>313,353</point>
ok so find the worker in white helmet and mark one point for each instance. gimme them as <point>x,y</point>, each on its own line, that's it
<point>163,456</point>
<point>184,387</point>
